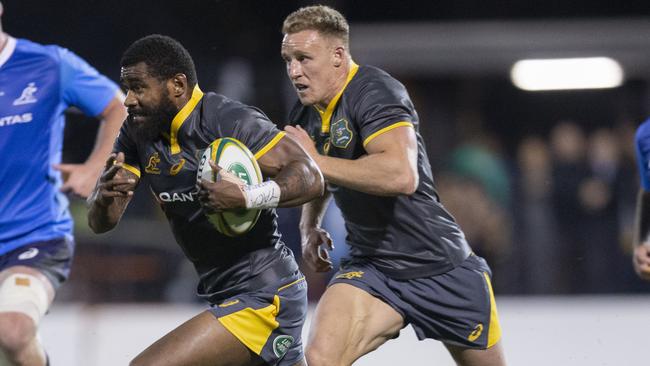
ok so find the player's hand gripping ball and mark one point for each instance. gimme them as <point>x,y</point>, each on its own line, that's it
<point>233,156</point>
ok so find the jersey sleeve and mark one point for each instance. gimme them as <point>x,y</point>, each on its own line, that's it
<point>382,104</point>
<point>253,128</point>
<point>125,144</point>
<point>642,143</point>
<point>83,86</point>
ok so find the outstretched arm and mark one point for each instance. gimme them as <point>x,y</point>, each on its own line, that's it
<point>111,195</point>
<point>80,178</point>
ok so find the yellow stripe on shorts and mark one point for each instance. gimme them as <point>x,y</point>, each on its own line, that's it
<point>253,327</point>
<point>494,334</point>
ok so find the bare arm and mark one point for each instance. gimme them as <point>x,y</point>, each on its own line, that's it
<point>313,237</point>
<point>389,169</point>
<point>641,257</point>
<point>82,177</point>
<point>295,173</point>
<point>111,195</point>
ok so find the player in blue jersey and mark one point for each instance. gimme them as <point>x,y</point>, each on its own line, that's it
<point>37,84</point>
<point>409,261</point>
<point>641,257</point>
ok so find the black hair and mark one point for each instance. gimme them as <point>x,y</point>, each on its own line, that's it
<point>164,57</point>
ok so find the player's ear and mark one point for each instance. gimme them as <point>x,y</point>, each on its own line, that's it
<point>338,55</point>
<point>178,85</point>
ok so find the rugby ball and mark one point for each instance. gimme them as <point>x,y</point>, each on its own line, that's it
<point>233,156</point>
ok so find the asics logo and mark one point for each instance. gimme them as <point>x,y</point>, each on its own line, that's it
<point>478,329</point>
<point>28,254</point>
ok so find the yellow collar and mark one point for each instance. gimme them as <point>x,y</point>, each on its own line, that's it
<point>326,115</point>
<point>181,116</point>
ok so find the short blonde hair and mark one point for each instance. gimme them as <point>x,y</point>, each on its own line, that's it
<point>320,18</point>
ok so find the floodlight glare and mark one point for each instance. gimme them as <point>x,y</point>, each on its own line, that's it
<point>567,73</point>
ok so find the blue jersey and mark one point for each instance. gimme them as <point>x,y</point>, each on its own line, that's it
<point>37,84</point>
<point>642,142</point>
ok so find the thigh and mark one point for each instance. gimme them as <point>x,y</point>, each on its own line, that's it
<point>25,293</point>
<point>51,258</point>
<point>36,273</point>
<point>349,323</point>
<point>492,356</point>
<point>200,341</point>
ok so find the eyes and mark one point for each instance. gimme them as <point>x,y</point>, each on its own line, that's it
<point>299,58</point>
<point>132,87</point>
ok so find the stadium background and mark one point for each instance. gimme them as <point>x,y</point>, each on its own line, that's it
<point>543,183</point>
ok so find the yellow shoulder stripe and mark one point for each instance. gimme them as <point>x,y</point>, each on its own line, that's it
<point>270,145</point>
<point>181,116</point>
<point>386,129</point>
<point>326,115</point>
<point>132,169</point>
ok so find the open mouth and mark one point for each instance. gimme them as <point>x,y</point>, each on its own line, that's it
<point>301,87</point>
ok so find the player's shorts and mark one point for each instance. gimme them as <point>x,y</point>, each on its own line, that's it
<point>456,307</point>
<point>52,257</point>
<point>269,321</point>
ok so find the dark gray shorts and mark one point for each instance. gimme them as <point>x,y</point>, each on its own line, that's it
<point>269,321</point>
<point>52,257</point>
<point>456,307</point>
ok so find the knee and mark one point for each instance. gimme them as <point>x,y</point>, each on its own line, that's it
<point>17,331</point>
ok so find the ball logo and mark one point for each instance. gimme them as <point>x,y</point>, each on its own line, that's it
<point>239,170</point>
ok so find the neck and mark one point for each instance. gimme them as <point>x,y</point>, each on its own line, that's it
<point>181,101</point>
<point>337,83</point>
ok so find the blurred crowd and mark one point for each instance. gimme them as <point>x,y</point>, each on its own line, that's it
<point>557,217</point>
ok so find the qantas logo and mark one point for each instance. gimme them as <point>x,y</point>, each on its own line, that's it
<point>15,119</point>
<point>177,196</point>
